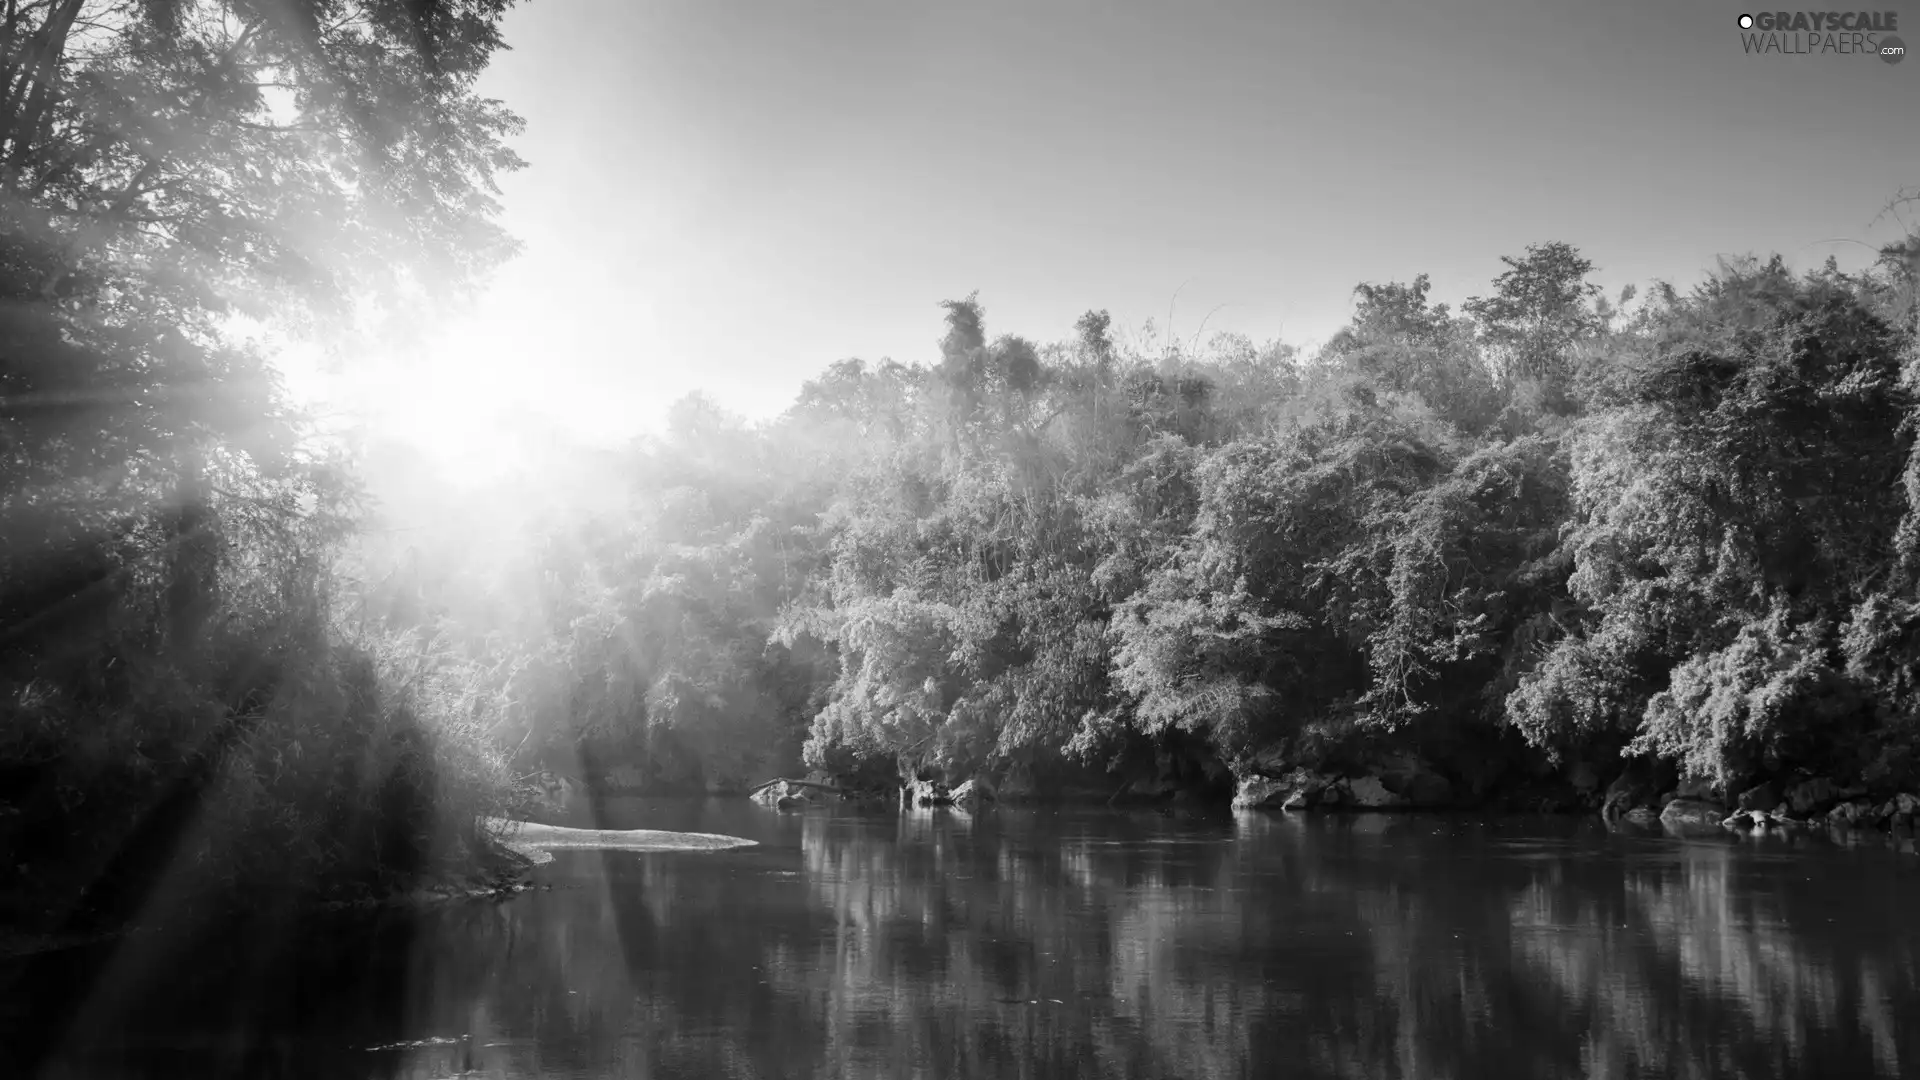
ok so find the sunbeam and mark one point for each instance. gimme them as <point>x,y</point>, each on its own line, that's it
<point>828,566</point>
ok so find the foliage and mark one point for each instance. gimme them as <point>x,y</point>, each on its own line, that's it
<point>1735,505</point>
<point>176,698</point>
<point>1541,306</point>
<point>1592,528</point>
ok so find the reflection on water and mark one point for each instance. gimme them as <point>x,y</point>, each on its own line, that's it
<point>1039,945</point>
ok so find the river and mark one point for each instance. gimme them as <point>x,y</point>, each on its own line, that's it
<point>1037,944</point>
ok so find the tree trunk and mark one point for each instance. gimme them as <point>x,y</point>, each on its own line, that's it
<point>193,557</point>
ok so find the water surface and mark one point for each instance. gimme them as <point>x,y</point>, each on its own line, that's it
<point>1036,944</point>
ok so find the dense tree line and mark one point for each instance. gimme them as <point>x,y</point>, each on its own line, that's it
<point>1549,528</point>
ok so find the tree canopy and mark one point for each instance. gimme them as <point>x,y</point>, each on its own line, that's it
<point>172,667</point>
<point>1548,527</point>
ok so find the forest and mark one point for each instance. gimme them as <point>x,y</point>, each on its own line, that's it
<point>1512,551</point>
<point>1519,550</point>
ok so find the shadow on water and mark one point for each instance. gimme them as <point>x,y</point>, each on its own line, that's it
<point>259,997</point>
<point>1041,945</point>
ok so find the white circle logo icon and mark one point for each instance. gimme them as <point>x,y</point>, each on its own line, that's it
<point>1746,22</point>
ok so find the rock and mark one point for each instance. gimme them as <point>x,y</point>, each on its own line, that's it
<point>1813,796</point>
<point>1631,791</point>
<point>1761,797</point>
<point>1906,804</point>
<point>927,793</point>
<point>1369,793</point>
<point>972,793</point>
<point>1640,783</point>
<point>1852,813</point>
<point>1643,815</point>
<point>1255,792</point>
<point>1328,791</point>
<point>782,795</point>
<point>1625,803</point>
<point>1683,814</point>
<point>1781,819</point>
<point>1307,778</point>
<point>1629,804</point>
<point>1261,792</point>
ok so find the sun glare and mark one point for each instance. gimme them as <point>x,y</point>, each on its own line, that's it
<point>457,399</point>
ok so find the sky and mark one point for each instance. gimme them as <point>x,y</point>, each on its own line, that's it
<point>729,195</point>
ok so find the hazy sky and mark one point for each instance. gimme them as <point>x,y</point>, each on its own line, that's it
<point>730,195</point>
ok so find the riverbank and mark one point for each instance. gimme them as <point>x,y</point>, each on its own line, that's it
<point>514,848</point>
<point>1634,791</point>
<point>504,873</point>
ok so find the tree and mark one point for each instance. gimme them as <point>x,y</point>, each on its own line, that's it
<point>166,169</point>
<point>1401,344</point>
<point>1541,306</point>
